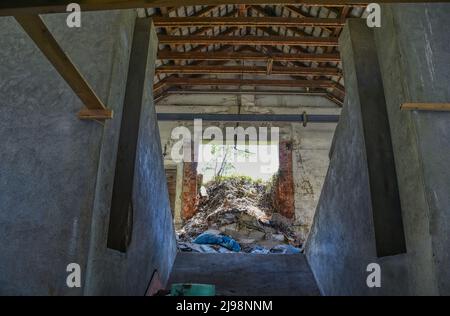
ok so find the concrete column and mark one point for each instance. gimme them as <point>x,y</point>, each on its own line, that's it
<point>362,68</point>
<point>179,197</point>
<point>121,217</point>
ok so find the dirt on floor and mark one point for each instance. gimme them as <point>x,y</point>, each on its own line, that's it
<point>242,209</point>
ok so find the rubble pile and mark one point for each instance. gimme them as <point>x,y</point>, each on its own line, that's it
<point>241,209</point>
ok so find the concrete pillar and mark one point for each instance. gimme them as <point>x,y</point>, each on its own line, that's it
<point>365,84</point>
<point>121,217</point>
<point>178,222</point>
<point>152,246</point>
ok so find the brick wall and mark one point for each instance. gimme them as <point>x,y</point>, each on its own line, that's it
<point>190,190</point>
<point>283,197</point>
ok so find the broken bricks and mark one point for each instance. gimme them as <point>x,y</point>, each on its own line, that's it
<point>241,209</point>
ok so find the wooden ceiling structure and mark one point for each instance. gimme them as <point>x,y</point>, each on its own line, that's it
<point>253,47</point>
<point>237,46</point>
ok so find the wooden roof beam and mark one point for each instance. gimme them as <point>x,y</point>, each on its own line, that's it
<point>425,106</point>
<point>15,7</point>
<point>249,40</point>
<point>44,40</point>
<point>316,92</point>
<point>247,56</point>
<point>244,22</point>
<point>257,70</point>
<point>249,82</point>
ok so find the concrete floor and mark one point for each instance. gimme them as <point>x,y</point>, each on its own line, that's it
<point>243,274</point>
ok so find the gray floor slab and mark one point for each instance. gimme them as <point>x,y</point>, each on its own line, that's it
<point>246,274</point>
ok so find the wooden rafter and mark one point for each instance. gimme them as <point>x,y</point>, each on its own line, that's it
<point>250,40</point>
<point>214,55</point>
<point>271,32</point>
<point>337,31</point>
<point>250,82</point>
<point>159,86</point>
<point>41,36</point>
<point>258,70</point>
<point>316,92</point>
<point>299,13</point>
<point>425,106</point>
<point>244,22</point>
<point>15,7</point>
<point>296,59</point>
<point>269,13</point>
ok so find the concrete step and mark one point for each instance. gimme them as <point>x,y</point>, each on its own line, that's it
<point>245,274</point>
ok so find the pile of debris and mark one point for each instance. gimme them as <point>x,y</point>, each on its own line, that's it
<point>239,209</point>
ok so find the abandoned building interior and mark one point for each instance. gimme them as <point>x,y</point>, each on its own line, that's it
<point>353,122</point>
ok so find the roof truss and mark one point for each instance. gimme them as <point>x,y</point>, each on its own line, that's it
<point>260,45</point>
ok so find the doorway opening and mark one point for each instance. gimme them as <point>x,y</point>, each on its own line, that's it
<point>233,200</point>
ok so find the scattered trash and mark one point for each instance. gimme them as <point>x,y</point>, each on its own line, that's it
<point>203,192</point>
<point>278,237</point>
<point>191,247</point>
<point>236,214</point>
<point>285,249</point>
<point>224,241</point>
<point>260,250</point>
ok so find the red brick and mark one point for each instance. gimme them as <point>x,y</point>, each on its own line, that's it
<point>190,190</point>
<point>283,197</point>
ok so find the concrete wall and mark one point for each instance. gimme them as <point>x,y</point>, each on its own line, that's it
<point>55,168</point>
<point>153,241</point>
<point>342,240</point>
<point>414,54</point>
<point>311,146</point>
<point>413,57</point>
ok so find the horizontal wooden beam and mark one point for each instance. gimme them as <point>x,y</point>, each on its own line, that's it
<point>426,106</point>
<point>14,7</point>
<point>245,82</point>
<point>245,91</point>
<point>168,55</point>
<point>258,70</point>
<point>312,118</point>
<point>243,21</point>
<point>249,40</point>
<point>88,114</point>
<point>335,99</point>
<point>44,40</point>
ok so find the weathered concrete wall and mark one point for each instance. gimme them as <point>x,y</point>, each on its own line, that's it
<point>49,158</point>
<point>413,55</point>
<point>152,245</point>
<point>311,147</point>
<point>54,166</point>
<point>342,241</point>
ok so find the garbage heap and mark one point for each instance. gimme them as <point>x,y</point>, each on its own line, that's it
<point>236,214</point>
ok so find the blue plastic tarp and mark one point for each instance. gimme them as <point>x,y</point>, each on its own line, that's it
<point>224,241</point>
